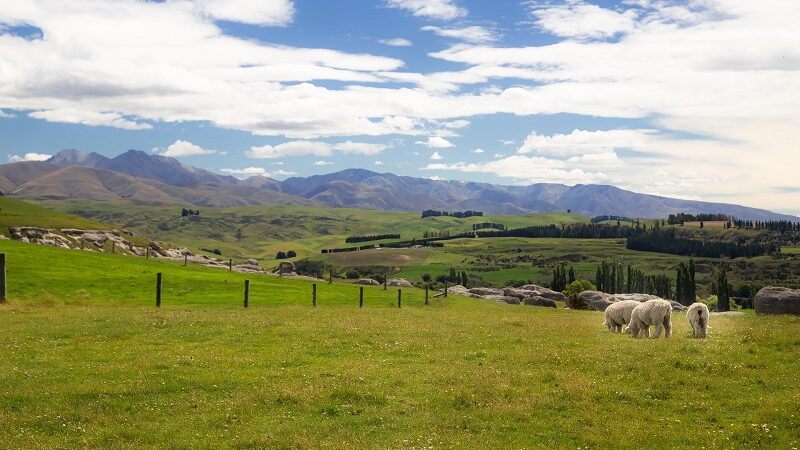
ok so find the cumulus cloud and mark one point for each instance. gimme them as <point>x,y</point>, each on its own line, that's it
<point>396,42</point>
<point>90,118</point>
<point>258,171</point>
<point>436,156</point>
<point>315,148</point>
<point>478,151</point>
<point>579,19</point>
<point>185,148</point>
<point>582,142</point>
<point>378,163</point>
<point>29,157</point>
<point>254,12</point>
<point>474,34</point>
<point>523,168</point>
<point>432,9</point>
<point>322,163</point>
<point>436,142</point>
<point>5,115</point>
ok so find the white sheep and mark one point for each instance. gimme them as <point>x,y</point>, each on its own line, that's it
<point>697,315</point>
<point>619,314</point>
<point>652,312</point>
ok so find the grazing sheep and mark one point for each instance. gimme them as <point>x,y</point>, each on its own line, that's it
<point>651,312</point>
<point>698,319</point>
<point>619,314</point>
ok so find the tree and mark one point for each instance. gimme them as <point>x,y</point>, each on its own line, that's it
<point>441,278</point>
<point>464,279</point>
<point>691,289</point>
<point>723,291</point>
<point>291,254</point>
<point>280,255</point>
<point>426,277</point>
<point>571,275</point>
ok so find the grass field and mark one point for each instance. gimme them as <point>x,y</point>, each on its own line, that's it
<point>18,213</point>
<point>87,361</point>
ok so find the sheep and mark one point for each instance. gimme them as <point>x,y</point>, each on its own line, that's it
<point>651,312</point>
<point>697,315</point>
<point>619,314</point>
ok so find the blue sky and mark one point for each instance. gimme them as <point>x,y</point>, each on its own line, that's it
<point>680,98</point>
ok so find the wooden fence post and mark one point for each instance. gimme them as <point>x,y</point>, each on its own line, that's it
<point>385,279</point>
<point>230,265</point>
<point>113,247</point>
<point>399,298</point>
<point>330,276</point>
<point>158,289</point>
<point>82,241</point>
<point>314,295</point>
<point>445,288</point>
<point>426,294</point>
<point>148,252</point>
<point>246,293</point>
<point>361,297</point>
<point>185,260</point>
<point>3,285</point>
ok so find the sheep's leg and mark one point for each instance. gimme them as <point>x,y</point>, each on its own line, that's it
<point>657,331</point>
<point>667,326</point>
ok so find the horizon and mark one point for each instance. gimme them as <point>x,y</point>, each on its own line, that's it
<point>459,90</point>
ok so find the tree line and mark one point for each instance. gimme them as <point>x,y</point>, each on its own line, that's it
<point>485,225</point>
<point>457,214</point>
<point>664,240</point>
<point>599,219</point>
<point>784,226</point>
<point>680,218</point>
<point>376,237</point>
<point>189,212</point>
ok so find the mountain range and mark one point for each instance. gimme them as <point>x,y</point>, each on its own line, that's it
<point>140,176</point>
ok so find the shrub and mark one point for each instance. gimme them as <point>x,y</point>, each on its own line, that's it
<point>291,254</point>
<point>578,286</point>
<point>280,255</point>
<point>426,277</point>
<point>352,275</point>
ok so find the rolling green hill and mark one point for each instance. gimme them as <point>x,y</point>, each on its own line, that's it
<point>88,361</point>
<point>17,213</point>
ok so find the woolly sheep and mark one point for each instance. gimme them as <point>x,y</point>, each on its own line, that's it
<point>619,314</point>
<point>697,315</point>
<point>652,312</point>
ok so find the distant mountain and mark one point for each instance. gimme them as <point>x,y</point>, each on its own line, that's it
<point>144,165</point>
<point>139,175</point>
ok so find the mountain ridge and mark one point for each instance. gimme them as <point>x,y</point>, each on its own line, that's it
<point>165,179</point>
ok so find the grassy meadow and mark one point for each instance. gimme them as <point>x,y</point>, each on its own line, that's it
<point>88,361</point>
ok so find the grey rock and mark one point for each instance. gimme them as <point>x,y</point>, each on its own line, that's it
<point>539,301</point>
<point>368,282</point>
<point>777,300</point>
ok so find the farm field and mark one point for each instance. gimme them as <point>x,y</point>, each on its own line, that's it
<point>89,362</point>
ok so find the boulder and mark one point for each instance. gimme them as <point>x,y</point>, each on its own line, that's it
<point>594,300</point>
<point>251,262</point>
<point>502,299</point>
<point>729,313</point>
<point>368,282</point>
<point>636,297</point>
<point>542,291</point>
<point>94,237</point>
<point>399,282</point>
<point>519,293</point>
<point>485,291</point>
<point>456,289</point>
<point>677,306</point>
<point>536,300</point>
<point>777,300</point>
<point>288,267</point>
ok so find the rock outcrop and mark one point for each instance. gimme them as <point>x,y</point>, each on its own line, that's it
<point>594,300</point>
<point>777,300</point>
<point>368,282</point>
<point>539,301</point>
<point>399,282</point>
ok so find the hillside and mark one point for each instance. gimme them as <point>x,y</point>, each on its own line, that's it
<point>16,213</point>
<point>352,188</point>
<point>87,364</point>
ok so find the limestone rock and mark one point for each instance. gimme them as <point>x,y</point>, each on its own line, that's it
<point>777,300</point>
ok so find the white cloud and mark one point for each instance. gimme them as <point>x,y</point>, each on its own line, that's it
<point>474,34</point>
<point>322,163</point>
<point>457,124</point>
<point>360,148</point>
<point>29,157</point>
<point>255,12</point>
<point>432,9</point>
<point>525,169</point>
<point>315,148</point>
<point>478,151</point>
<point>436,156</point>
<point>185,148</point>
<point>396,42</point>
<point>90,118</point>
<point>582,142</point>
<point>498,155</point>
<point>260,171</point>
<point>436,142</point>
<point>582,20</point>
<point>378,163</point>
<point>292,148</point>
<point>5,115</point>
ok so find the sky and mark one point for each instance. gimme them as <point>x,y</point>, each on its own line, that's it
<point>695,99</point>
